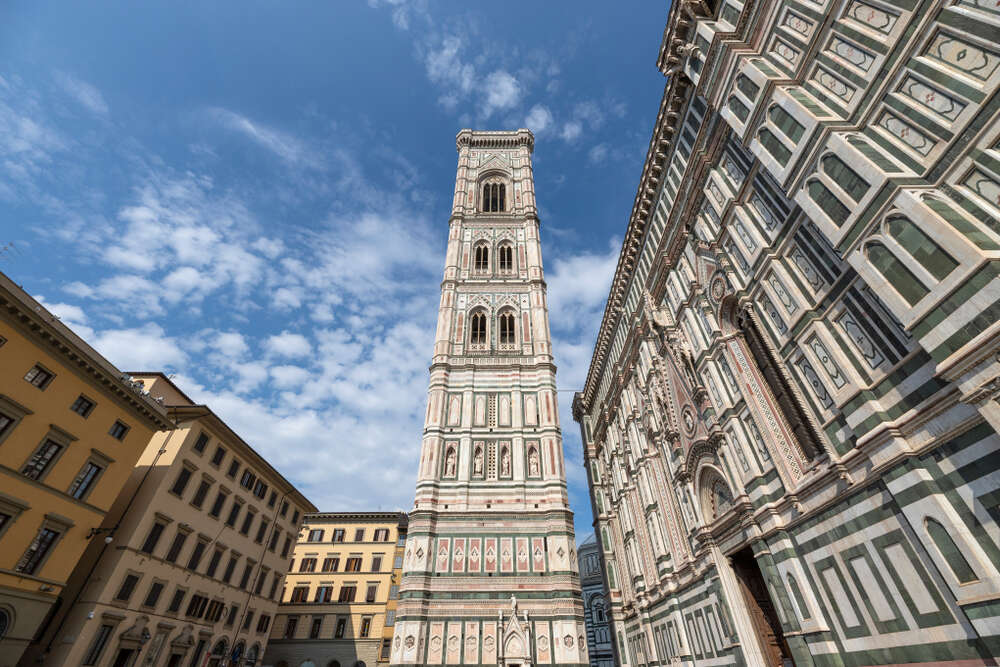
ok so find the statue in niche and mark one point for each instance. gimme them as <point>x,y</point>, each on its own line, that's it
<point>505,462</point>
<point>533,462</point>
<point>477,462</point>
<point>449,466</point>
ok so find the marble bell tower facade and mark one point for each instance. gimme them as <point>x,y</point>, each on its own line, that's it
<point>490,570</point>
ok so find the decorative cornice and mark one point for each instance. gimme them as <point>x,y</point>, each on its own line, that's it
<point>495,139</point>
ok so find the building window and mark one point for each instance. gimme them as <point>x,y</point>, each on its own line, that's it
<point>338,535</point>
<point>153,596</point>
<point>315,535</point>
<point>371,593</point>
<point>82,406</point>
<point>331,564</point>
<point>494,198</point>
<point>295,516</point>
<point>175,602</point>
<point>481,259</point>
<point>39,377</point>
<point>950,552</point>
<point>272,499</point>
<point>505,259</point>
<point>307,565</point>
<point>390,618</point>
<point>393,592</point>
<point>341,627</point>
<point>347,593</point>
<point>97,646</point>
<point>293,623</point>
<point>245,579</point>
<point>263,623</point>
<point>275,536</point>
<point>317,623</point>
<point>477,330</point>
<point>896,273</point>
<point>153,538</point>
<point>181,482</point>
<point>128,585</point>
<point>366,625</point>
<point>284,509</point>
<point>234,467</point>
<point>261,578</point>
<point>324,593</point>
<point>201,443</point>
<point>196,607</point>
<point>921,247</point>
<point>353,564</point>
<point>381,535</point>
<point>230,568</point>
<point>507,332</point>
<point>220,453</point>
<point>397,563</point>
<point>196,554</point>
<point>85,480</point>
<point>775,378</point>
<point>40,461</point>
<point>260,488</point>
<point>261,530</point>
<point>247,622</point>
<point>176,546</point>
<point>37,551</point>
<point>118,430</point>
<point>213,563</point>
<point>285,547</point>
<point>199,496</point>
<point>234,514</point>
<point>220,500</point>
<point>386,647</point>
<point>377,564</point>
<point>359,535</point>
<point>248,478</point>
<point>247,522</point>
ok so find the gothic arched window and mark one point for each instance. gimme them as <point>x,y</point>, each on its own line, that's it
<point>950,552</point>
<point>505,259</point>
<point>896,272</point>
<point>481,259</point>
<point>477,329</point>
<point>506,330</point>
<point>777,381</point>
<point>494,197</point>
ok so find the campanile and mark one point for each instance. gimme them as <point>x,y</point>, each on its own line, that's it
<point>490,571</point>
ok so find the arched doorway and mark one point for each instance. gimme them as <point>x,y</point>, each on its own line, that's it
<point>761,608</point>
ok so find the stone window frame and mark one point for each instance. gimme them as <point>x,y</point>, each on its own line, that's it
<point>107,618</point>
<point>125,428</point>
<point>41,367</point>
<point>89,411</point>
<point>15,411</point>
<point>511,314</point>
<point>13,507</point>
<point>118,602</point>
<point>149,589</point>
<point>57,435</point>
<point>99,459</point>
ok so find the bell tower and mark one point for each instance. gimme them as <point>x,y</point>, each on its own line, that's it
<point>491,526</point>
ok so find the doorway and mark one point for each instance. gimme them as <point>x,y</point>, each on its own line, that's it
<point>763,615</point>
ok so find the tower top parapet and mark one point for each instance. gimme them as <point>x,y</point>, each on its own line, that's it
<point>495,139</point>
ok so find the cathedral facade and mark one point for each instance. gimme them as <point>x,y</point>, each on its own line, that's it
<point>790,419</point>
<point>490,568</point>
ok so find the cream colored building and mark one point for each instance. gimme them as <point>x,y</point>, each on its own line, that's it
<point>72,426</point>
<point>339,603</point>
<point>200,540</point>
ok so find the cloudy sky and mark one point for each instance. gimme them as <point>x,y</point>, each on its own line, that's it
<point>253,196</point>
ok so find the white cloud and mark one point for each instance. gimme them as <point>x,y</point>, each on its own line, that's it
<point>445,66</point>
<point>502,92</point>
<point>571,130</point>
<point>538,119</point>
<point>287,377</point>
<point>144,348</point>
<point>598,153</point>
<point>578,287</point>
<point>288,344</point>
<point>285,146</point>
<point>84,93</point>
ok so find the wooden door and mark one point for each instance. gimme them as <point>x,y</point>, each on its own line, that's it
<point>762,611</point>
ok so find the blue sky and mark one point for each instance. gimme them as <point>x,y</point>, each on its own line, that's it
<point>254,197</point>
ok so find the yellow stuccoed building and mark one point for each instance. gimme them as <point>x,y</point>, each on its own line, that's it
<point>72,427</point>
<point>339,602</point>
